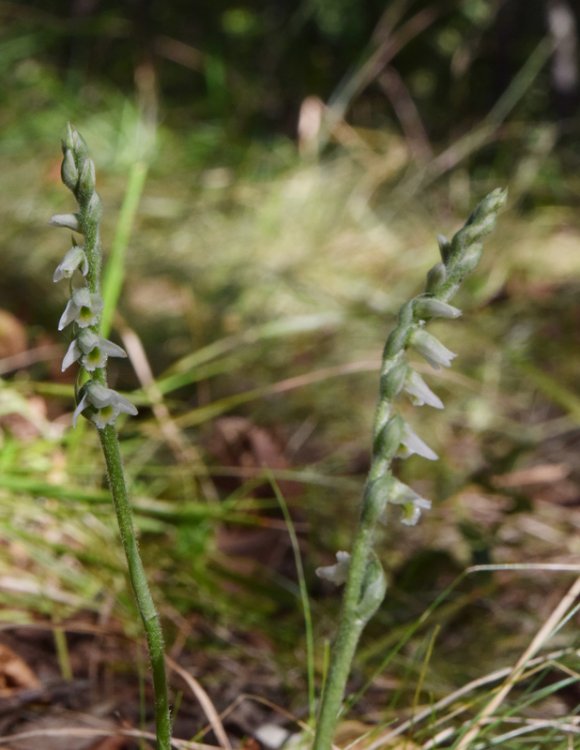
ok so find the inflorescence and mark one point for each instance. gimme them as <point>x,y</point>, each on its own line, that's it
<point>100,404</point>
<point>392,435</point>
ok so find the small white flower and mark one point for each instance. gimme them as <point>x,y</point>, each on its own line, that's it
<point>420,392</point>
<point>92,350</point>
<point>410,501</point>
<point>337,573</point>
<point>412,510</point>
<point>432,349</point>
<point>75,258</point>
<point>83,308</point>
<point>412,443</point>
<point>106,405</point>
<point>68,221</point>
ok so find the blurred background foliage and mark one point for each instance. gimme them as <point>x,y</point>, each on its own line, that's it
<point>274,175</point>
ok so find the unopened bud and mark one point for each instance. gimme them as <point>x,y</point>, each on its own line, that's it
<point>86,183</point>
<point>430,307</point>
<point>68,170</point>
<point>435,278</point>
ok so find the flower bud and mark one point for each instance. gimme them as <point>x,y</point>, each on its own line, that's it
<point>80,148</point>
<point>430,307</point>
<point>67,142</point>
<point>470,259</point>
<point>388,440</point>
<point>444,247</point>
<point>94,210</point>
<point>68,170</point>
<point>374,588</point>
<point>436,277</point>
<point>68,221</point>
<point>86,183</point>
<point>393,381</point>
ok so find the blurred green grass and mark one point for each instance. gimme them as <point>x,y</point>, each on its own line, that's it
<point>263,289</point>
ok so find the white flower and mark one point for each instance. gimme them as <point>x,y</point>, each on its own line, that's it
<point>75,258</point>
<point>83,308</point>
<point>68,221</point>
<point>338,572</point>
<point>92,350</point>
<point>412,443</point>
<point>420,392</point>
<point>106,405</point>
<point>432,349</point>
<point>411,502</point>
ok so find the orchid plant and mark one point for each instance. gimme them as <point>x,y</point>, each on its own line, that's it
<point>361,569</point>
<point>95,400</point>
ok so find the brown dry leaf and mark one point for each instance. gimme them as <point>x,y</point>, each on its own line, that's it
<point>15,674</point>
<point>62,730</point>
<point>12,335</point>
<point>539,474</point>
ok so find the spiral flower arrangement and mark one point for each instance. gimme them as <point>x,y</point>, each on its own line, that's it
<point>102,405</point>
<point>95,400</point>
<point>393,437</point>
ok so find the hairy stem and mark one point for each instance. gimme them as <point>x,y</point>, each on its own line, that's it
<point>138,578</point>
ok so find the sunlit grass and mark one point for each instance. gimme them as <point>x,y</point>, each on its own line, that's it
<point>265,292</point>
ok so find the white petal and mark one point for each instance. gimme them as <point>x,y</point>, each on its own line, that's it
<point>338,572</point>
<point>111,349</point>
<point>81,406</point>
<point>102,417</point>
<point>68,221</point>
<point>413,444</point>
<point>123,404</point>
<point>69,315</point>
<point>88,340</point>
<point>429,307</point>
<point>420,392</point>
<point>72,354</point>
<point>432,349</point>
<point>101,396</point>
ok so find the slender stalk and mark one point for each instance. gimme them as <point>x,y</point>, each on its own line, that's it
<point>138,578</point>
<point>347,637</point>
<point>365,583</point>
<point>95,400</point>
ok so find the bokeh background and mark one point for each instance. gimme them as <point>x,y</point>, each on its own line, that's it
<point>274,175</point>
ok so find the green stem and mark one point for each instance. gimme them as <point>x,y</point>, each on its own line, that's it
<point>145,605</point>
<point>350,627</point>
